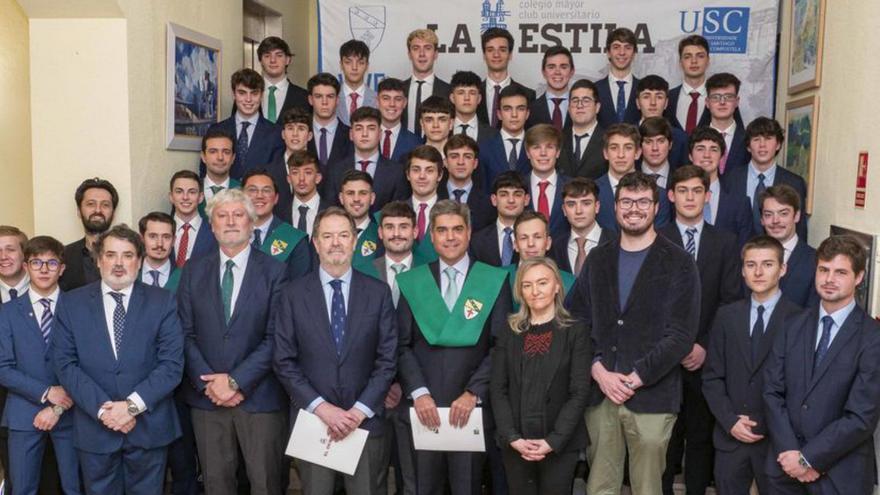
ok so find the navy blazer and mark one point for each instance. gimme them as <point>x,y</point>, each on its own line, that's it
<point>671,112</point>
<point>204,244</point>
<point>264,144</point>
<point>25,366</point>
<point>607,97</point>
<point>389,181</point>
<point>606,217</point>
<point>558,223</point>
<point>484,246</point>
<point>592,163</point>
<point>539,113</point>
<point>798,285</point>
<point>828,413</point>
<point>485,107</point>
<point>278,170</point>
<point>440,88</point>
<point>493,161</point>
<point>243,346</point>
<point>150,363</point>
<point>738,156</point>
<point>736,181</point>
<point>734,215</point>
<point>482,211</point>
<point>340,147</point>
<point>559,249</point>
<point>306,361</point>
<point>406,142</point>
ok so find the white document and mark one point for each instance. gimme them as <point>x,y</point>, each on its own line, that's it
<point>310,442</point>
<point>447,437</point>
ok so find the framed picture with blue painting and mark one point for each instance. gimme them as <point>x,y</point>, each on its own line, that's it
<point>192,81</point>
<point>801,128</point>
<point>805,45</point>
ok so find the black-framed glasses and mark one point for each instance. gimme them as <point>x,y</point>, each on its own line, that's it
<point>722,98</point>
<point>37,264</point>
<point>642,203</point>
<point>585,100</point>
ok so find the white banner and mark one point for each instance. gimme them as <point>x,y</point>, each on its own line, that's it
<point>741,33</point>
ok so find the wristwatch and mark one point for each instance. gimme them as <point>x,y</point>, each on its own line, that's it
<point>233,385</point>
<point>133,408</point>
<point>58,410</point>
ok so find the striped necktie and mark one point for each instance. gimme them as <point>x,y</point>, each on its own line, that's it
<point>46,319</point>
<point>691,246</point>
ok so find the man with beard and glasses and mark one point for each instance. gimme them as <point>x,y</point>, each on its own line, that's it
<point>640,295</point>
<point>96,201</point>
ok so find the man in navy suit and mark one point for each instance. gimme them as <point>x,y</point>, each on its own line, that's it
<point>652,99</point>
<point>582,141</point>
<point>217,155</point>
<point>193,237</point>
<point>461,164</point>
<point>332,139</point>
<point>506,151</point>
<point>257,140</point>
<point>36,409</point>
<point>157,230</point>
<point>722,102</point>
<point>557,67</point>
<point>724,210</point>
<point>296,131</point>
<point>781,208</point>
<point>656,146</point>
<point>543,145</point>
<point>493,244</point>
<point>226,302</point>
<point>497,45</point>
<point>733,375</point>
<point>396,140</point>
<point>304,177</point>
<point>436,116</point>
<point>465,97</point>
<point>336,352</point>
<point>281,94</point>
<point>117,349</point>
<point>687,101</point>
<point>580,204</point>
<point>820,389</point>
<point>96,201</point>
<point>421,48</point>
<point>617,91</point>
<point>354,60</point>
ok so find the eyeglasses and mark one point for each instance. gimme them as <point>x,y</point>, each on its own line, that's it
<point>627,204</point>
<point>586,100</point>
<point>37,264</point>
<point>719,98</point>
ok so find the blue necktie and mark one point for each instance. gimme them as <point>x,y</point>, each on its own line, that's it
<point>458,193</point>
<point>756,203</point>
<point>513,157</point>
<point>46,319</point>
<point>241,147</point>
<point>621,101</point>
<point>322,147</point>
<point>824,341</point>
<point>707,212</point>
<point>13,293</point>
<point>507,245</point>
<point>337,314</point>
<point>118,321</point>
<point>691,246</point>
<point>155,275</point>
<point>257,242</point>
<point>757,333</point>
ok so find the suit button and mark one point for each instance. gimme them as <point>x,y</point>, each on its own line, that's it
<point>619,323</point>
<point>805,407</point>
<point>751,382</point>
<point>614,348</point>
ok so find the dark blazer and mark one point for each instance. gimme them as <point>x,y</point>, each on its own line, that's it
<point>738,155</point>
<point>25,366</point>
<point>539,113</point>
<point>592,164</point>
<point>204,244</point>
<point>278,170</point>
<point>798,285</point>
<point>406,142</point>
<point>672,109</point>
<point>243,346</point>
<point>606,216</point>
<point>440,88</point>
<point>296,97</point>
<point>733,383</point>
<point>607,97</point>
<point>736,181</point>
<point>306,361</point>
<point>339,148</point>
<point>448,371</point>
<point>285,210</point>
<point>493,161</point>
<point>558,223</point>
<point>678,149</point>
<point>80,268</point>
<point>734,215</point>
<point>300,260</point>
<point>482,211</point>
<point>559,249</point>
<point>828,414</point>
<point>654,330</point>
<point>150,363</point>
<point>389,181</point>
<point>485,105</point>
<point>484,246</point>
<point>719,267</point>
<point>264,144</point>
<point>566,378</point>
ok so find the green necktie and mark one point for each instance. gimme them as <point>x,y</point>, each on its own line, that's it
<point>272,114</point>
<point>226,289</point>
<point>216,189</point>
<point>451,294</point>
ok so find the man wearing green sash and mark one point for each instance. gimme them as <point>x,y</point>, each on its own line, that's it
<point>532,240</point>
<point>218,155</point>
<point>449,312</point>
<point>424,171</point>
<point>272,235</point>
<point>397,233</point>
<point>157,230</point>
<point>356,197</point>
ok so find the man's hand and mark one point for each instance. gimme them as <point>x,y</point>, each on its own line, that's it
<point>58,397</point>
<point>46,419</point>
<point>217,388</point>
<point>634,380</point>
<point>613,385</point>
<point>426,410</point>
<point>525,448</point>
<point>357,416</point>
<point>392,398</point>
<point>810,476</point>
<point>116,416</point>
<point>694,360</point>
<point>460,409</point>
<point>235,400</point>
<point>790,463</point>
<point>742,430</point>
<point>540,451</point>
<point>339,422</point>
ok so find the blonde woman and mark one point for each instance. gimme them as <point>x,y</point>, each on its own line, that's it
<point>540,383</point>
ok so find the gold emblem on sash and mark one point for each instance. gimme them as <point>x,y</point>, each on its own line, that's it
<point>278,247</point>
<point>472,308</point>
<point>368,248</point>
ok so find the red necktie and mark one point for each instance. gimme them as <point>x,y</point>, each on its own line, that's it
<point>422,222</point>
<point>365,164</point>
<point>180,260</point>
<point>557,113</point>
<point>354,104</point>
<point>543,204</point>
<point>386,145</point>
<point>691,122</point>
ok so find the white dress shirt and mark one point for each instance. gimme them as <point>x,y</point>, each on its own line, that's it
<point>395,132</point>
<point>164,272</point>
<point>505,138</point>
<point>209,193</point>
<point>280,95</point>
<point>839,318</point>
<point>535,189</point>
<point>38,307</point>
<point>472,129</point>
<point>238,271</point>
<point>788,246</point>
<point>662,173</point>
<point>371,168</point>
<point>21,287</point>
<point>684,103</point>
<point>627,88</point>
<point>195,224</point>
<point>728,135</point>
<point>592,237</point>
<point>109,308</point>
<point>411,105</point>
<point>314,203</point>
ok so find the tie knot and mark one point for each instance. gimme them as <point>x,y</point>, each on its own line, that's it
<point>365,164</point>
<point>513,141</point>
<point>581,136</point>
<point>557,101</point>
<point>397,268</point>
<point>694,95</point>
<point>215,190</point>
<point>323,131</point>
<point>420,83</point>
<point>827,322</point>
<point>354,97</point>
<point>543,185</point>
<point>458,193</point>
<point>761,177</point>
<point>581,242</point>
<point>117,296</point>
<point>154,273</point>
<point>187,226</point>
<point>450,272</point>
<point>336,284</point>
<point>422,207</point>
<point>303,209</point>
<point>388,133</point>
<point>13,293</point>
<point>508,231</point>
<point>497,88</point>
<point>244,125</point>
<point>621,84</point>
<point>230,264</point>
<point>691,231</point>
<point>46,302</point>
<point>272,89</point>
<point>760,310</point>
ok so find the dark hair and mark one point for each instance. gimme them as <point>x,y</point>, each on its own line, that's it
<point>366,113</point>
<point>122,232</point>
<point>255,172</point>
<point>185,174</point>
<point>655,126</point>
<point>457,141</point>
<point>301,158</point>
<point>354,48</point>
<point>652,82</point>
<point>465,78</point>
<point>783,194</point>
<point>216,133</point>
<point>437,104</point>
<point>44,244</point>
<point>248,78</point>
<point>528,215</point>
<point>323,79</point>
<point>273,43</point>
<point>638,181</point>
<point>585,84</point>
<point>425,152</point>
<point>492,33</point>
<point>449,207</point>
<point>509,179</point>
<point>156,216</point>
<point>96,183</point>
<point>580,186</point>
<point>688,172</point>
<point>692,40</point>
<point>845,245</point>
<point>354,175</point>
<point>621,129</point>
<point>398,209</point>
<point>552,52</point>
<point>765,127</point>
<point>722,80</point>
<point>622,34</point>
<point>333,211</point>
<point>295,115</point>
<point>12,231</point>
<point>391,84</point>
<point>707,134</point>
<point>764,241</point>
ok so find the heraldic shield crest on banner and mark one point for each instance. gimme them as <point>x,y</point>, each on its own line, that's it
<point>367,23</point>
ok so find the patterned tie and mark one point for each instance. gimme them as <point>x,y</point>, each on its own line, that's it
<point>458,193</point>
<point>757,333</point>
<point>422,220</point>
<point>513,157</point>
<point>397,268</point>
<point>691,246</point>
<point>556,119</point>
<point>118,321</point>
<point>386,145</point>
<point>824,341</point>
<point>182,248</point>
<point>226,286</point>
<point>507,247</point>
<point>496,104</point>
<point>241,147</point>
<point>451,293</point>
<point>13,294</point>
<point>301,223</point>
<point>464,129</point>
<point>258,241</point>
<point>621,101</point>
<point>756,203</point>
<point>365,165</point>
<point>46,319</point>
<point>271,112</point>
<point>337,314</point>
<point>578,151</point>
<point>581,254</point>
<point>216,189</point>
<point>353,105</point>
<point>417,126</point>
<point>322,147</point>
<point>691,122</point>
<point>543,203</point>
<point>154,274</point>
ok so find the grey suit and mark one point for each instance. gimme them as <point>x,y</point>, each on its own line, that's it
<point>370,99</point>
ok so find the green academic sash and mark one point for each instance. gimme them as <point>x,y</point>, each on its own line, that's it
<point>366,248</point>
<point>233,184</point>
<point>173,280</point>
<point>568,281</point>
<point>462,326</point>
<point>281,241</point>
<point>423,251</point>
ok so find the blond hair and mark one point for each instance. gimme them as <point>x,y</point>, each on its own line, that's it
<point>521,320</point>
<point>424,35</point>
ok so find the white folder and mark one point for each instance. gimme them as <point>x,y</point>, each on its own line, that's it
<point>446,437</point>
<point>310,442</point>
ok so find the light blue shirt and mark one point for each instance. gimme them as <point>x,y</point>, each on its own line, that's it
<point>164,273</point>
<point>838,316</point>
<point>715,189</point>
<point>331,133</point>
<point>563,105</point>
<point>769,306</point>
<point>371,168</point>
<point>684,237</point>
<point>250,130</point>
<point>752,180</point>
<point>467,190</point>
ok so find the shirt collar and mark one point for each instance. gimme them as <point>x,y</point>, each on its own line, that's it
<point>331,127</point>
<point>452,187</point>
<point>790,244</point>
<point>360,91</point>
<point>374,158</point>
<point>505,136</point>
<point>164,268</point>
<point>461,266</point>
<point>280,85</point>
<point>239,259</point>
<point>430,202</point>
<point>662,172</point>
<point>769,174</point>
<point>682,227</point>
<point>840,315</point>
<point>312,203</point>
<point>589,131</point>
<point>534,179</point>
<point>364,224</point>
<point>407,262</point>
<point>490,84</point>
<point>769,304</point>
<point>194,223</point>
<point>628,79</point>
<point>731,129</point>
<point>208,183</point>
<point>394,129</point>
<point>106,289</point>
<point>326,278</point>
<point>474,123</point>
<point>264,227</point>
<point>686,89</point>
<point>239,118</point>
<point>35,298</point>
<point>428,80</point>
<point>21,286</point>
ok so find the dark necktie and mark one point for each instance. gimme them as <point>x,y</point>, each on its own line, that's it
<point>578,150</point>
<point>556,118</point>
<point>422,220</point>
<point>464,128</point>
<point>513,157</point>
<point>301,223</point>
<point>226,286</point>
<point>417,127</point>
<point>365,165</point>
<point>507,247</point>
<point>691,245</point>
<point>386,145</point>
<point>241,147</point>
<point>337,314</point>
<point>756,203</point>
<point>691,122</point>
<point>118,321</point>
<point>757,333</point>
<point>216,189</point>
<point>824,341</point>
<point>258,241</point>
<point>354,104</point>
<point>46,319</point>
<point>581,254</point>
<point>154,274</point>
<point>621,101</point>
<point>458,193</point>
<point>13,293</point>
<point>496,104</point>
<point>322,147</point>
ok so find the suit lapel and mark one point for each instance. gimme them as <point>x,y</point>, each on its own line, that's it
<point>809,346</point>
<point>132,318</point>
<point>357,305</point>
<point>742,334</point>
<point>253,270</point>
<point>211,283</point>
<point>557,346</point>
<point>26,311</point>
<point>773,325</point>
<point>318,312</point>
<point>706,249</point>
<point>844,335</point>
<point>97,303</point>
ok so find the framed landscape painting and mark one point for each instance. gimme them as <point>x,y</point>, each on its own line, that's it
<point>801,116</point>
<point>805,45</point>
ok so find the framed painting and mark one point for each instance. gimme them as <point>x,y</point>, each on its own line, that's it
<point>801,117</point>
<point>192,69</point>
<point>805,45</point>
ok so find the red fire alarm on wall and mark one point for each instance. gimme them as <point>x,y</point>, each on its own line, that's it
<point>862,179</point>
